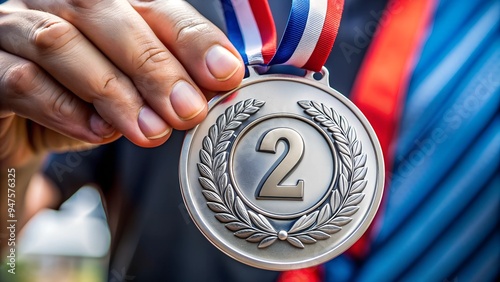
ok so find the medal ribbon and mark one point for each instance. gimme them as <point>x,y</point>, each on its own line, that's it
<point>307,40</point>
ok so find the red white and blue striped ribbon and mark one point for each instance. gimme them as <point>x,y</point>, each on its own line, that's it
<point>307,40</point>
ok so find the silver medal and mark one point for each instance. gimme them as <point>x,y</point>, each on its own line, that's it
<point>284,173</point>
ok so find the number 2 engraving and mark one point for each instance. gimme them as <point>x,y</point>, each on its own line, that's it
<point>272,188</point>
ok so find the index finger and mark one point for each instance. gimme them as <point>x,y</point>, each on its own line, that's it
<point>128,41</point>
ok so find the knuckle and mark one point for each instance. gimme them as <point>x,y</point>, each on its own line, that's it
<point>84,4</point>
<point>191,29</point>
<point>52,35</point>
<point>21,78</point>
<point>108,86</point>
<point>63,105</point>
<point>146,4</point>
<point>150,56</point>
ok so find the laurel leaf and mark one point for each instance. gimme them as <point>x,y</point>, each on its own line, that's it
<point>339,137</point>
<point>221,122</point>
<point>242,117</point>
<point>257,237</point>
<point>356,148</point>
<point>346,161</point>
<point>320,118</point>
<point>358,186</point>
<point>344,170</point>
<point>225,217</point>
<point>270,228</point>
<point>241,211</point>
<point>354,199</point>
<point>258,103</point>
<point>235,226</point>
<point>343,185</point>
<point>261,224</point>
<point>211,196</point>
<point>207,184</point>
<point>348,211</point>
<point>223,181</point>
<point>318,235</point>
<point>343,124</point>
<point>226,135</point>
<point>351,135</point>
<point>244,233</point>
<point>306,239</point>
<point>343,148</point>
<point>205,171</point>
<point>330,228</point>
<point>304,104</point>
<point>220,172</point>
<point>233,125</point>
<point>238,108</point>
<point>327,123</point>
<point>229,196</point>
<point>247,102</point>
<point>268,241</point>
<point>304,222</point>
<point>324,214</point>
<point>295,242</point>
<point>336,117</point>
<point>312,112</point>
<point>229,113</point>
<point>335,130</point>
<point>213,132</point>
<point>220,159</point>
<point>317,106</point>
<point>298,224</point>
<point>359,174</point>
<point>341,220</point>
<point>205,158</point>
<point>216,207</point>
<point>222,146</point>
<point>335,201</point>
<point>208,145</point>
<point>360,161</point>
<point>328,112</point>
<point>251,110</point>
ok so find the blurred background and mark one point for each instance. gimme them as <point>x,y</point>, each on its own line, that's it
<point>66,245</point>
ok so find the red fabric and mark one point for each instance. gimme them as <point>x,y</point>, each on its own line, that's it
<point>380,91</point>
<point>262,13</point>
<point>382,82</point>
<point>310,274</point>
<point>327,36</point>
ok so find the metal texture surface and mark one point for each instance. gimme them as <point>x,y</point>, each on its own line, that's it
<point>284,172</point>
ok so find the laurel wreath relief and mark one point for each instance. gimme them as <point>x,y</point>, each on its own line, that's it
<point>256,228</point>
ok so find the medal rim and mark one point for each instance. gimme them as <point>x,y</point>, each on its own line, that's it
<point>358,231</point>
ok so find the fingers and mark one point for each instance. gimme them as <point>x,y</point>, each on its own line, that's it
<point>29,92</point>
<point>127,40</point>
<point>142,80</point>
<point>60,49</point>
<point>203,49</point>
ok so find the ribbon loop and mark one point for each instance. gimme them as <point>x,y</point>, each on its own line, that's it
<point>307,41</point>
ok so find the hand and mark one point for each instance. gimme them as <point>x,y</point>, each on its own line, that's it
<point>92,70</point>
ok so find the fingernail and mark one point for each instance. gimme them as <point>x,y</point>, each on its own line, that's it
<point>100,127</point>
<point>186,101</point>
<point>151,125</point>
<point>221,63</point>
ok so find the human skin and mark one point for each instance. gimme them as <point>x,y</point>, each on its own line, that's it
<point>79,73</point>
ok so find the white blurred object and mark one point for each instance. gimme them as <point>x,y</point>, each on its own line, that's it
<point>79,229</point>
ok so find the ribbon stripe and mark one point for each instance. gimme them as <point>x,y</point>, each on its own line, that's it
<point>307,40</point>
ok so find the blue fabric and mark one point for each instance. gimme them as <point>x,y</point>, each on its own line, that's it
<point>233,29</point>
<point>442,207</point>
<point>293,32</point>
